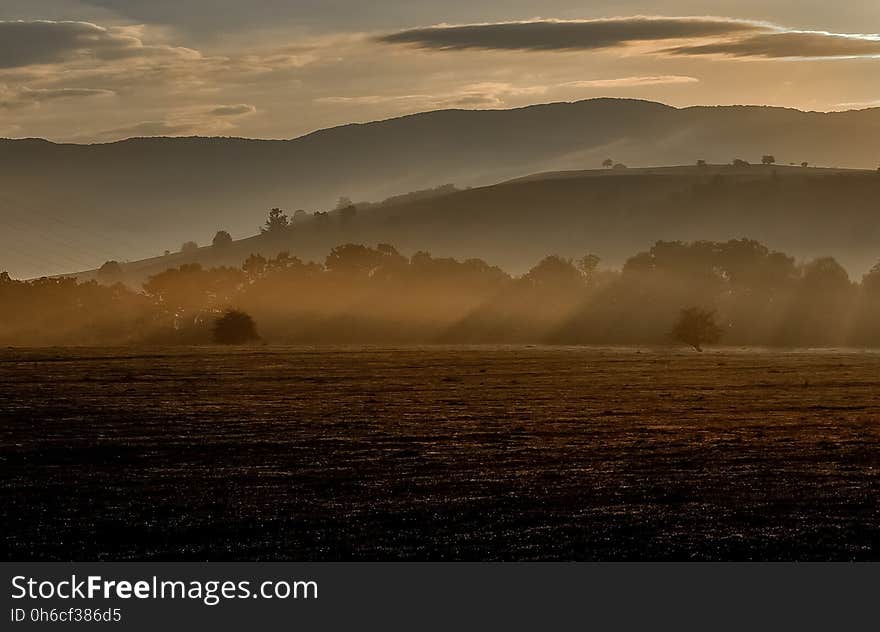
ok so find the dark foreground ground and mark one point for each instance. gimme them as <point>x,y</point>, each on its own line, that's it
<point>439,454</point>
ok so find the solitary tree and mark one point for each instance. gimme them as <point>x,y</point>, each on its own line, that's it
<point>189,247</point>
<point>608,163</point>
<point>769,159</point>
<point>697,327</point>
<point>739,162</point>
<point>276,222</point>
<point>222,239</point>
<point>702,164</point>
<point>110,272</point>
<point>234,327</point>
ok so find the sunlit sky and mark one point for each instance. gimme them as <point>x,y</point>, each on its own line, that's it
<point>100,70</point>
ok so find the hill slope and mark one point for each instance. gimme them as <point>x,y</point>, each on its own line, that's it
<point>65,207</point>
<point>804,212</point>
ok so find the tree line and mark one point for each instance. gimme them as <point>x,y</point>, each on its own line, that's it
<point>738,292</point>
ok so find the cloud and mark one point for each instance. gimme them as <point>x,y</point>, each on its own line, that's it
<point>556,35</point>
<point>693,36</point>
<point>149,128</point>
<point>233,110</point>
<point>487,95</point>
<point>492,94</point>
<point>416,102</point>
<point>632,82</point>
<point>790,45</point>
<point>24,96</point>
<point>858,105</point>
<point>25,43</point>
<point>195,121</point>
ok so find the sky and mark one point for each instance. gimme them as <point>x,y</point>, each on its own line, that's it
<point>102,70</point>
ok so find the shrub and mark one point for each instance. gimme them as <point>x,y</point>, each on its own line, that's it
<point>235,327</point>
<point>697,327</point>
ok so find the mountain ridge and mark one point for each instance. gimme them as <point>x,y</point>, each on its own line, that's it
<point>73,206</point>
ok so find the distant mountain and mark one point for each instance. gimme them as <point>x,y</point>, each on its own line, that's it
<point>69,207</point>
<point>806,212</point>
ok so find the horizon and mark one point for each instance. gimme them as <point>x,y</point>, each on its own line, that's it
<point>453,109</point>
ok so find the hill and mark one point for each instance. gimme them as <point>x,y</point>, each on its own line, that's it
<point>806,212</point>
<point>68,207</point>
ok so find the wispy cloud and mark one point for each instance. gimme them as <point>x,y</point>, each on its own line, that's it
<point>789,45</point>
<point>233,110</point>
<point>690,36</point>
<point>560,35</point>
<point>24,43</point>
<point>632,82</point>
<point>24,96</point>
<point>496,94</point>
<point>858,105</point>
<point>200,121</point>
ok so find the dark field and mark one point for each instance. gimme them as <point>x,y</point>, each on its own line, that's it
<point>439,453</point>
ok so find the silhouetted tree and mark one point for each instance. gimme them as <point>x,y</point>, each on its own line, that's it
<point>768,159</point>
<point>360,260</point>
<point>608,163</point>
<point>824,275</point>
<point>110,272</point>
<point>276,222</point>
<point>234,327</point>
<point>805,164</point>
<point>697,327</point>
<point>871,281</point>
<point>189,248</point>
<point>738,162</point>
<point>222,239</point>
<point>702,164</point>
<point>554,272</point>
<point>191,289</point>
<point>587,266</point>
<point>254,265</point>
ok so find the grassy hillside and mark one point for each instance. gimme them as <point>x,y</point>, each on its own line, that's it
<point>804,211</point>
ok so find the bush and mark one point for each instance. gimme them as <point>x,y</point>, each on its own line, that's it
<point>697,327</point>
<point>222,239</point>
<point>189,248</point>
<point>110,272</point>
<point>235,327</point>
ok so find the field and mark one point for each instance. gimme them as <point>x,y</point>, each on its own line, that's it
<point>439,453</point>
